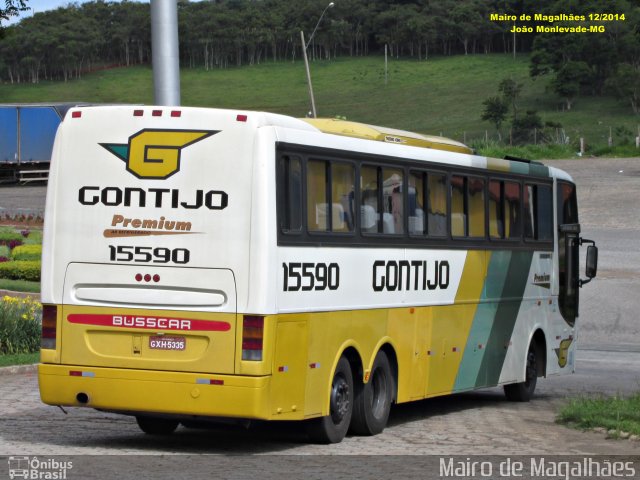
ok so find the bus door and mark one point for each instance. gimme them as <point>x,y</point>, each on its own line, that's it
<point>569,242</point>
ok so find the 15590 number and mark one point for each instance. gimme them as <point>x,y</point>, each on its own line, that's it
<point>310,276</point>
<point>122,253</point>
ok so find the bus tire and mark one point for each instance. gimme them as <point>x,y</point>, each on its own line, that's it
<point>334,427</point>
<point>156,426</point>
<point>523,391</point>
<point>373,399</point>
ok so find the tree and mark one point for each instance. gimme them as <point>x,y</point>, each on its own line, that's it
<point>569,80</point>
<point>626,85</point>
<point>12,8</point>
<point>495,111</point>
<point>511,89</point>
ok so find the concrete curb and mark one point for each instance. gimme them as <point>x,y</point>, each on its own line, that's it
<point>19,369</point>
<point>11,293</point>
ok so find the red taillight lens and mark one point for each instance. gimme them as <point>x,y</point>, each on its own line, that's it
<point>252,337</point>
<point>49,324</point>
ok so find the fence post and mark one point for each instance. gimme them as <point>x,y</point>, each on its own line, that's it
<point>581,146</point>
<point>610,139</point>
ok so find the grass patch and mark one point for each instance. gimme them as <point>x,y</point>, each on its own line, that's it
<point>529,152</point>
<point>612,413</point>
<point>19,285</point>
<point>19,359</point>
<point>420,95</point>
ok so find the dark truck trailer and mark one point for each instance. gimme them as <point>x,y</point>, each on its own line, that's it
<point>27,132</point>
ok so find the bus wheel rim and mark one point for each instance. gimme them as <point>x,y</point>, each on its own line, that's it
<point>340,399</point>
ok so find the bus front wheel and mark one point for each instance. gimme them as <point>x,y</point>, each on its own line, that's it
<point>333,427</point>
<point>523,391</point>
<point>373,399</point>
<point>156,426</point>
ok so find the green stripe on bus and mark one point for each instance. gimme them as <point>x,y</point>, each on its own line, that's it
<point>470,374</point>
<point>506,316</point>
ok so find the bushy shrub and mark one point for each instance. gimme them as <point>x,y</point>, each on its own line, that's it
<point>9,235</point>
<point>20,325</point>
<point>21,270</point>
<point>5,251</point>
<point>34,238</point>
<point>27,252</point>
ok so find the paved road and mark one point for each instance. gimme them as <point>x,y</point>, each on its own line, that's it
<point>482,423</point>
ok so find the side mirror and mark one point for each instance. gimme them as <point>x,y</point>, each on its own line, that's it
<point>592,261</point>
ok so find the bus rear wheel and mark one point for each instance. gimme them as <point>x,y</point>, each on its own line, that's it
<point>523,391</point>
<point>373,400</point>
<point>156,426</point>
<point>333,427</point>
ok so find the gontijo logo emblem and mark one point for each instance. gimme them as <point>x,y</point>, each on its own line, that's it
<point>155,153</point>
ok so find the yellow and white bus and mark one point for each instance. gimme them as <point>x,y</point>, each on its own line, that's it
<point>204,263</point>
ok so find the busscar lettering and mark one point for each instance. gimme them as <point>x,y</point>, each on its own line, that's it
<point>407,275</point>
<point>151,322</point>
<point>152,197</point>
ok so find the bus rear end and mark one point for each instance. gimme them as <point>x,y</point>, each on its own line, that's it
<point>146,233</point>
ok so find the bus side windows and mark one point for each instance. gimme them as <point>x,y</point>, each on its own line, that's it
<point>567,204</point>
<point>290,198</point>
<point>504,210</point>
<point>437,211</point>
<point>538,214</point>
<point>330,205</point>
<point>427,207</point>
<point>467,206</point>
<point>381,200</point>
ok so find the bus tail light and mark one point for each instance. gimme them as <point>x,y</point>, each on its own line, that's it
<point>49,324</point>
<point>252,337</point>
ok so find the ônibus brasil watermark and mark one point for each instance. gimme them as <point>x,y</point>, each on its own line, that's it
<point>40,469</point>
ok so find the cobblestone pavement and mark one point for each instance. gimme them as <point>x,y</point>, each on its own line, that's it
<point>479,423</point>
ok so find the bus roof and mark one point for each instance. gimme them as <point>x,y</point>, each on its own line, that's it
<point>388,135</point>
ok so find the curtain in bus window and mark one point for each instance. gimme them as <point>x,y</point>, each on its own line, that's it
<point>317,206</point>
<point>437,214</point>
<point>496,213</point>
<point>369,215</point>
<point>342,191</point>
<point>529,212</point>
<point>511,207</point>
<point>416,203</point>
<point>291,197</point>
<point>393,204</point>
<point>8,134</point>
<point>38,127</point>
<point>544,212</point>
<point>458,220</point>
<point>476,207</point>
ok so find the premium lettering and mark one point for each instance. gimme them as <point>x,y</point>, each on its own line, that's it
<point>161,224</point>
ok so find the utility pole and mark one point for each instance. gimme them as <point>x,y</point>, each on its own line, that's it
<point>305,45</point>
<point>309,85</point>
<point>165,53</point>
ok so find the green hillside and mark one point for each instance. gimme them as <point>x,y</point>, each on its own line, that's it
<point>441,95</point>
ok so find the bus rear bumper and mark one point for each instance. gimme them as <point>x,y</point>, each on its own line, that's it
<point>154,392</point>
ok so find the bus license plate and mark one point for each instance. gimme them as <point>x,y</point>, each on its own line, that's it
<point>167,343</point>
